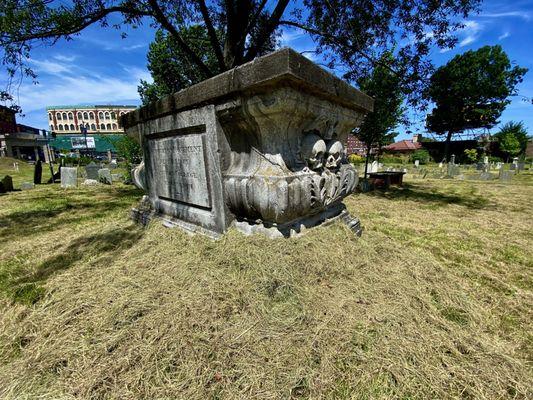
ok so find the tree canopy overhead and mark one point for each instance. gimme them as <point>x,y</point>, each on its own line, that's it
<point>351,33</point>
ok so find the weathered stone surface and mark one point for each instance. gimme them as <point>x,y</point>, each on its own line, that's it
<point>281,68</point>
<point>27,185</point>
<point>267,149</point>
<point>69,177</point>
<point>91,170</point>
<point>104,176</point>
<point>90,182</point>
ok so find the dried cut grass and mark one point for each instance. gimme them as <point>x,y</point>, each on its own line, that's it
<point>434,301</point>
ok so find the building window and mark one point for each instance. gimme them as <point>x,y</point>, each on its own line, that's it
<point>101,115</point>
<point>59,116</point>
<point>91,115</point>
<point>85,115</point>
<point>70,115</point>
<point>113,115</point>
<point>60,127</point>
<point>108,126</point>
<point>102,126</point>
<point>106,115</point>
<point>114,127</point>
<point>93,127</point>
<point>72,127</point>
<point>51,127</point>
<point>64,116</point>
<point>50,117</point>
<point>80,116</point>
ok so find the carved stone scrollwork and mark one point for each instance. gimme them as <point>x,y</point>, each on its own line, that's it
<point>291,163</point>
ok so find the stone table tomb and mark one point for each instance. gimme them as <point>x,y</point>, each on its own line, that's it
<point>260,146</point>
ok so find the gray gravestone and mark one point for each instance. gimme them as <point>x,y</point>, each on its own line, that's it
<point>116,177</point>
<point>505,176</point>
<point>485,176</point>
<point>92,171</point>
<point>104,176</point>
<point>27,186</point>
<point>69,177</point>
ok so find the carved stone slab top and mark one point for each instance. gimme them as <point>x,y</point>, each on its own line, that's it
<point>284,67</point>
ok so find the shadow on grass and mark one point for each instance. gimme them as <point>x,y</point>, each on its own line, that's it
<point>53,210</point>
<point>26,287</point>
<point>414,193</point>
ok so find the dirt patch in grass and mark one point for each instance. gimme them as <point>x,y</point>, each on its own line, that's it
<point>434,301</point>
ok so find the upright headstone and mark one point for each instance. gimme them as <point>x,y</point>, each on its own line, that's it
<point>109,156</point>
<point>6,185</point>
<point>505,176</point>
<point>373,167</point>
<point>69,177</point>
<point>38,172</point>
<point>104,176</point>
<point>485,176</point>
<point>486,160</point>
<point>92,171</point>
<point>452,159</point>
<point>27,185</point>
<point>417,163</point>
<point>441,165</point>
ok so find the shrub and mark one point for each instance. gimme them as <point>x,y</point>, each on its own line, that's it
<point>355,159</point>
<point>471,154</point>
<point>422,155</point>
<point>387,159</point>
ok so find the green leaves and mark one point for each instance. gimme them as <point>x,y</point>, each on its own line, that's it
<point>472,90</point>
<point>512,138</point>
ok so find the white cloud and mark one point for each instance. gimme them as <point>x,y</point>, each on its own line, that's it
<point>49,67</point>
<point>504,35</point>
<point>66,83</point>
<point>65,58</point>
<point>290,35</point>
<point>471,31</point>
<point>518,14</point>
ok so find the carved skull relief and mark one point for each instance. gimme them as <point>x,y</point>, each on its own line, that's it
<point>313,150</point>
<point>335,151</point>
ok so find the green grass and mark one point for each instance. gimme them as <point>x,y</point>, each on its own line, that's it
<point>433,301</point>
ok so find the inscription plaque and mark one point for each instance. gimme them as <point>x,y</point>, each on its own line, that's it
<point>179,169</point>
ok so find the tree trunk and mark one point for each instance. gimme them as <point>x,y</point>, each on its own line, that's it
<point>447,146</point>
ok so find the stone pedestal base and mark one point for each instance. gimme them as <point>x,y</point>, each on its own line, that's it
<point>337,212</point>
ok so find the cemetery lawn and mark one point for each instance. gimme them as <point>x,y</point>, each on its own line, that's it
<point>433,301</point>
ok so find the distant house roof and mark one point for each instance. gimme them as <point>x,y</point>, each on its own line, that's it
<point>403,145</point>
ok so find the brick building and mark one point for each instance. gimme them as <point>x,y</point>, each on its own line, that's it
<point>355,146</point>
<point>97,118</point>
<point>100,121</point>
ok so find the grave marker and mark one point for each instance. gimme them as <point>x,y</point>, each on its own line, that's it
<point>69,177</point>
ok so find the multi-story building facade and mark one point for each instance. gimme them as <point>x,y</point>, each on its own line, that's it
<point>355,146</point>
<point>99,119</point>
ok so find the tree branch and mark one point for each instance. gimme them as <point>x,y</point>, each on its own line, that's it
<point>165,23</point>
<point>212,35</point>
<point>338,42</point>
<point>89,20</point>
<point>271,25</point>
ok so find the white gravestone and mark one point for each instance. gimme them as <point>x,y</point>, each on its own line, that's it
<point>69,177</point>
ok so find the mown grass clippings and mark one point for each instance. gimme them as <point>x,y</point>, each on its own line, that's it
<point>433,301</point>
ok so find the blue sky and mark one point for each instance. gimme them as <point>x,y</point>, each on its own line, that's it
<point>98,67</point>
